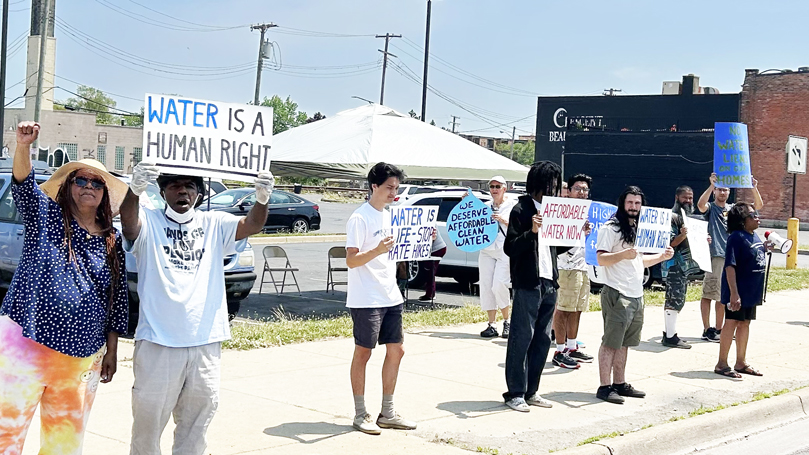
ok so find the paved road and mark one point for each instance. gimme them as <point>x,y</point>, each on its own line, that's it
<point>333,215</point>
<point>314,301</point>
<point>790,439</point>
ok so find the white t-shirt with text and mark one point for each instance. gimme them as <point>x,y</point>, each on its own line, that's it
<point>372,285</point>
<point>626,276</point>
<point>181,277</point>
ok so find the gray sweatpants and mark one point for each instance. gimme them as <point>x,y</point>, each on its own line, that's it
<point>179,381</point>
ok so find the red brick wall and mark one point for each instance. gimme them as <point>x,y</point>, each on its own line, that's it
<point>774,106</point>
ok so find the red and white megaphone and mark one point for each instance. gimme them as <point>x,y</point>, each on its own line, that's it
<point>781,244</point>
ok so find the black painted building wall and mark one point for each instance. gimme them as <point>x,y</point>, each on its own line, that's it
<point>639,140</point>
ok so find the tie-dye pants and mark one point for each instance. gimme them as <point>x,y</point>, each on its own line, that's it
<point>32,374</point>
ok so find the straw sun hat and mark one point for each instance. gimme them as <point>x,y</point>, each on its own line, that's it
<point>116,188</point>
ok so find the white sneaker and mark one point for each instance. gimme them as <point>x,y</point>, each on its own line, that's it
<point>518,404</point>
<point>397,422</point>
<point>536,400</point>
<point>365,423</point>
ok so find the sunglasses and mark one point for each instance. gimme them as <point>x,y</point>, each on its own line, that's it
<point>495,187</point>
<point>82,182</point>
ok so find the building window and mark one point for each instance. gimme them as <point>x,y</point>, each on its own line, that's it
<point>101,152</point>
<point>137,153</point>
<point>71,149</point>
<point>119,158</point>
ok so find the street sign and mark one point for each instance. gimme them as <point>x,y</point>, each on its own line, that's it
<point>796,155</point>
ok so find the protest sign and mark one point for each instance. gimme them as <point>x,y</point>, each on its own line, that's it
<point>698,241</point>
<point>654,230</point>
<point>470,225</point>
<point>412,229</point>
<point>563,221</point>
<point>207,138</point>
<point>598,214</point>
<point>731,156</point>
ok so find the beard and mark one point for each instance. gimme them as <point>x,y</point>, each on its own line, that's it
<point>687,208</point>
<point>633,214</point>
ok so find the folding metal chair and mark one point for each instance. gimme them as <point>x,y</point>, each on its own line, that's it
<point>335,252</point>
<point>275,253</point>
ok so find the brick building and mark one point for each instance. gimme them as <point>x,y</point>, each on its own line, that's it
<point>773,105</point>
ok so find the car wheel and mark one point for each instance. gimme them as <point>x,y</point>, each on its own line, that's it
<point>416,274</point>
<point>467,278</point>
<point>300,226</point>
<point>647,277</point>
<point>233,308</point>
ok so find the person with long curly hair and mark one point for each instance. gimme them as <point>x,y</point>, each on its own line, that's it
<point>67,302</point>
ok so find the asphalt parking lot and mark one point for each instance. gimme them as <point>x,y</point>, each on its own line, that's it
<point>313,300</point>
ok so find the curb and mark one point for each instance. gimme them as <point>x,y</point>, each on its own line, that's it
<point>688,435</point>
<point>297,239</point>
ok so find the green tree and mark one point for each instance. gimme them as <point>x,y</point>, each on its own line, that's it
<point>134,120</point>
<point>90,99</point>
<point>523,151</point>
<point>316,117</point>
<point>285,113</point>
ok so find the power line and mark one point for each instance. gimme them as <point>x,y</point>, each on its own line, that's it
<point>96,102</point>
<point>158,23</point>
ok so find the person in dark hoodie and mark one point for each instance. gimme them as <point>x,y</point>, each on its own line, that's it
<point>534,281</point>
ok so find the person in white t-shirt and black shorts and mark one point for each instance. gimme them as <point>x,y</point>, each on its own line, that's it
<point>622,295</point>
<point>374,299</point>
<point>183,309</point>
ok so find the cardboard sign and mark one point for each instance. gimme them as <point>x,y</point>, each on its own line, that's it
<point>654,230</point>
<point>599,214</point>
<point>731,156</point>
<point>412,228</point>
<point>563,221</point>
<point>470,225</point>
<point>207,138</point>
<point>698,241</point>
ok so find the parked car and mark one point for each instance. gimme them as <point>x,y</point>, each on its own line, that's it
<point>404,193</point>
<point>288,212</point>
<point>456,264</point>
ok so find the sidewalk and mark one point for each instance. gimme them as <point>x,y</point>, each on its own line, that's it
<point>297,399</point>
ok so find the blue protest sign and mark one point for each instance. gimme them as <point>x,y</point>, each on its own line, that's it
<point>470,225</point>
<point>731,156</point>
<point>600,213</point>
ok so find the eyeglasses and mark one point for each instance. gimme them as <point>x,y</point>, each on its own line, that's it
<point>82,182</point>
<point>753,215</point>
<point>495,187</point>
<point>579,189</point>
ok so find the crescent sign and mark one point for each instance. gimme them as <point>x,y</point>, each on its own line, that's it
<point>560,114</point>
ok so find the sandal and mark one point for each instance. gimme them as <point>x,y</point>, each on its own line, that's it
<point>749,370</point>
<point>728,373</point>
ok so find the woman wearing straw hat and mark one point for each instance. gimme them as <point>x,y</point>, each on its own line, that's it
<point>66,304</point>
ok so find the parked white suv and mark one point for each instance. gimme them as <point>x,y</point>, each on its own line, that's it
<point>461,266</point>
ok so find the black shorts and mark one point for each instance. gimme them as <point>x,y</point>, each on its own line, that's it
<point>744,314</point>
<point>377,325</point>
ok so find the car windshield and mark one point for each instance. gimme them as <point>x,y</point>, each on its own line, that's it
<point>229,197</point>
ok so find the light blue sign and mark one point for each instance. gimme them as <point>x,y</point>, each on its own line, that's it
<point>470,225</point>
<point>600,213</point>
<point>731,156</point>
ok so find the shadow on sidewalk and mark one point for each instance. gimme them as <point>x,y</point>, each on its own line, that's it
<point>463,409</point>
<point>803,323</point>
<point>450,335</point>
<point>699,374</point>
<point>573,399</point>
<point>308,432</point>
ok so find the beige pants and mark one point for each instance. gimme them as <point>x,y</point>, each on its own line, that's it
<point>179,381</point>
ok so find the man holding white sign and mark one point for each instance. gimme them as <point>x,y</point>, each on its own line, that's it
<point>622,294</point>
<point>183,310</point>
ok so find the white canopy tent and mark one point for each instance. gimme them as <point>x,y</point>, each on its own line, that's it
<point>348,144</point>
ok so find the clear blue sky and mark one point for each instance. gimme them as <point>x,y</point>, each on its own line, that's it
<point>522,48</point>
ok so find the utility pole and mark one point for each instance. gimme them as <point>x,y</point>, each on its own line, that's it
<point>454,122</point>
<point>3,71</point>
<point>611,91</point>
<point>426,56</point>
<point>43,39</point>
<point>387,37</point>
<point>263,28</point>
<point>513,132</point>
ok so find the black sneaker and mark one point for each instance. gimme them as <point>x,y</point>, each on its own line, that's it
<point>607,393</point>
<point>561,359</point>
<point>626,390</point>
<point>490,332</point>
<point>711,334</point>
<point>675,342</point>
<point>506,329</point>
<point>579,356</point>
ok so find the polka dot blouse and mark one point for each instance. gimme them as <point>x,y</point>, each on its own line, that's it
<point>59,303</point>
